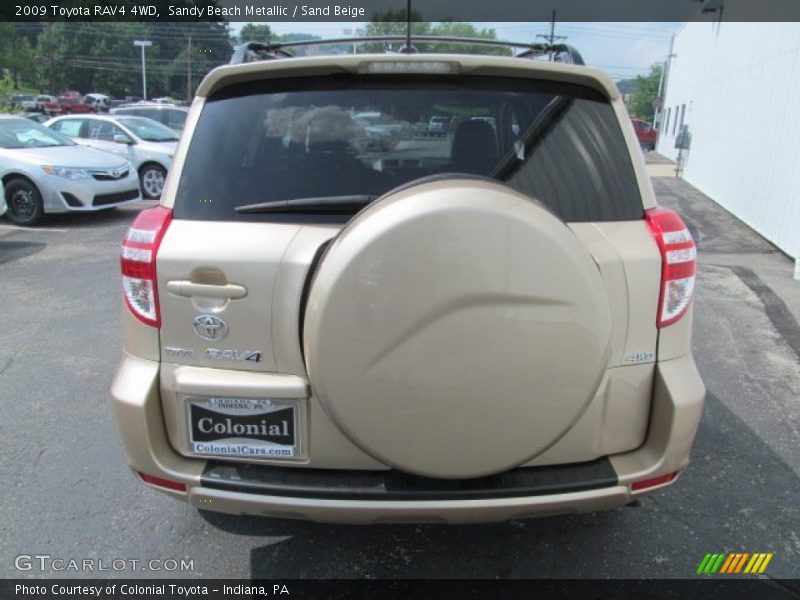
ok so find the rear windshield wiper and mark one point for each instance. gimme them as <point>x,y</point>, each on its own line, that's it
<point>319,204</point>
<point>540,128</point>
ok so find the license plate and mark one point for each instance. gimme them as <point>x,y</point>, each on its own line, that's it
<point>243,427</point>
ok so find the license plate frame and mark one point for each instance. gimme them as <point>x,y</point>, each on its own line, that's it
<point>244,428</point>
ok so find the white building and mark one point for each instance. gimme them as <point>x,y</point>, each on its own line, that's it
<point>737,88</point>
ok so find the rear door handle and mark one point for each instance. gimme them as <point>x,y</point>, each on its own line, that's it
<point>189,289</point>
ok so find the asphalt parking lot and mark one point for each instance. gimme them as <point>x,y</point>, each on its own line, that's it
<point>68,493</point>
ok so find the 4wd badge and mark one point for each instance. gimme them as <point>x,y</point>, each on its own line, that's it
<point>210,327</point>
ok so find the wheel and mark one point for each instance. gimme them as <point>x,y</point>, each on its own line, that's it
<point>151,179</point>
<point>24,202</point>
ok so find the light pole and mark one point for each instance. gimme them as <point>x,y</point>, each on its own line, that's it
<point>356,32</point>
<point>143,44</point>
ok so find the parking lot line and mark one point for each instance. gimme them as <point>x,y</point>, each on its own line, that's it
<point>37,229</point>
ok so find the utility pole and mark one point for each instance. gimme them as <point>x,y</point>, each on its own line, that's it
<point>189,70</point>
<point>551,39</point>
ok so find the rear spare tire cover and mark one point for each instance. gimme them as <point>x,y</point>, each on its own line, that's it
<point>456,328</point>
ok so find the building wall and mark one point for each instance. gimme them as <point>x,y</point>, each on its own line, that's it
<point>740,86</point>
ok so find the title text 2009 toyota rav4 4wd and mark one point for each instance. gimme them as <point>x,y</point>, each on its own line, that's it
<point>490,325</point>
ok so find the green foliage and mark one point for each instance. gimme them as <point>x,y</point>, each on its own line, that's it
<point>626,86</point>
<point>645,88</point>
<point>6,90</point>
<point>50,57</point>
<point>100,57</point>
<point>466,30</point>
<point>252,32</point>
<point>392,23</point>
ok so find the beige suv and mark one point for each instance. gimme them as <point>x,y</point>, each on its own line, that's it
<point>494,324</point>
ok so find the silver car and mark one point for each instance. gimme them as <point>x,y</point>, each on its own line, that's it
<point>149,145</point>
<point>45,172</point>
<point>172,116</point>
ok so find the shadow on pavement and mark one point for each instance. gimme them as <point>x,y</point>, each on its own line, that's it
<point>11,250</point>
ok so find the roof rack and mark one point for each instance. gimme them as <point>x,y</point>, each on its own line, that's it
<point>258,51</point>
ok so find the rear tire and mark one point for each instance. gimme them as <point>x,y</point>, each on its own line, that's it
<point>24,202</point>
<point>151,180</point>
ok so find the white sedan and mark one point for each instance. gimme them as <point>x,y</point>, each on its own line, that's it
<point>149,145</point>
<point>45,172</point>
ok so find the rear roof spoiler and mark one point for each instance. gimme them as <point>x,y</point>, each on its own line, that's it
<point>259,51</point>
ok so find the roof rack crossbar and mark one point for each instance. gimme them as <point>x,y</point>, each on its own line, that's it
<point>257,51</point>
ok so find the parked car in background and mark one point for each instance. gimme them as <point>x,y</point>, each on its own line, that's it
<point>172,116</point>
<point>149,145</point>
<point>14,101</point>
<point>70,104</point>
<point>438,126</point>
<point>28,103</point>
<point>45,172</point>
<point>37,117</point>
<point>99,102</point>
<point>645,133</point>
<point>43,99</point>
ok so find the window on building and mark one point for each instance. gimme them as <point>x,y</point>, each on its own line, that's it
<point>683,114</point>
<point>675,121</point>
<point>666,121</point>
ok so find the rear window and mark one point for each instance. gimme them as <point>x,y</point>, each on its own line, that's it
<point>347,136</point>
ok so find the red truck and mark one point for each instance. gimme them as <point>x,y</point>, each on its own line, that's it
<point>645,133</point>
<point>69,102</point>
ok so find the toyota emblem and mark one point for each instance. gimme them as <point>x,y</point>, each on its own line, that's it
<point>210,327</point>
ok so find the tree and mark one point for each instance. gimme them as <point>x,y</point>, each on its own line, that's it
<point>392,23</point>
<point>645,89</point>
<point>101,57</point>
<point>467,30</point>
<point>255,33</point>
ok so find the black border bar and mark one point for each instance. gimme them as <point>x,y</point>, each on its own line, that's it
<point>301,11</point>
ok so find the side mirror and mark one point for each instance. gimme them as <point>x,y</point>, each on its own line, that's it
<point>123,139</point>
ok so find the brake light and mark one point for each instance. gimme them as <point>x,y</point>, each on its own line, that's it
<point>139,250</point>
<point>678,264</point>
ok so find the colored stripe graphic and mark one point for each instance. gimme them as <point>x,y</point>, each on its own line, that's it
<point>734,563</point>
<point>764,564</point>
<point>703,563</point>
<point>727,564</point>
<point>716,565</point>
<point>741,562</point>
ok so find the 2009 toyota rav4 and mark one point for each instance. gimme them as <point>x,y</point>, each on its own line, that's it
<point>490,325</point>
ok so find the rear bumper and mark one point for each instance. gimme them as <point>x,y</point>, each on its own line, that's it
<point>366,497</point>
<point>367,512</point>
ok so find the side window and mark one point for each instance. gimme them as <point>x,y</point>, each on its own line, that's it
<point>69,127</point>
<point>176,119</point>
<point>104,131</point>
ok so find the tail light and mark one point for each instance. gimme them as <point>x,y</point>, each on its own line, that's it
<point>139,250</point>
<point>678,264</point>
